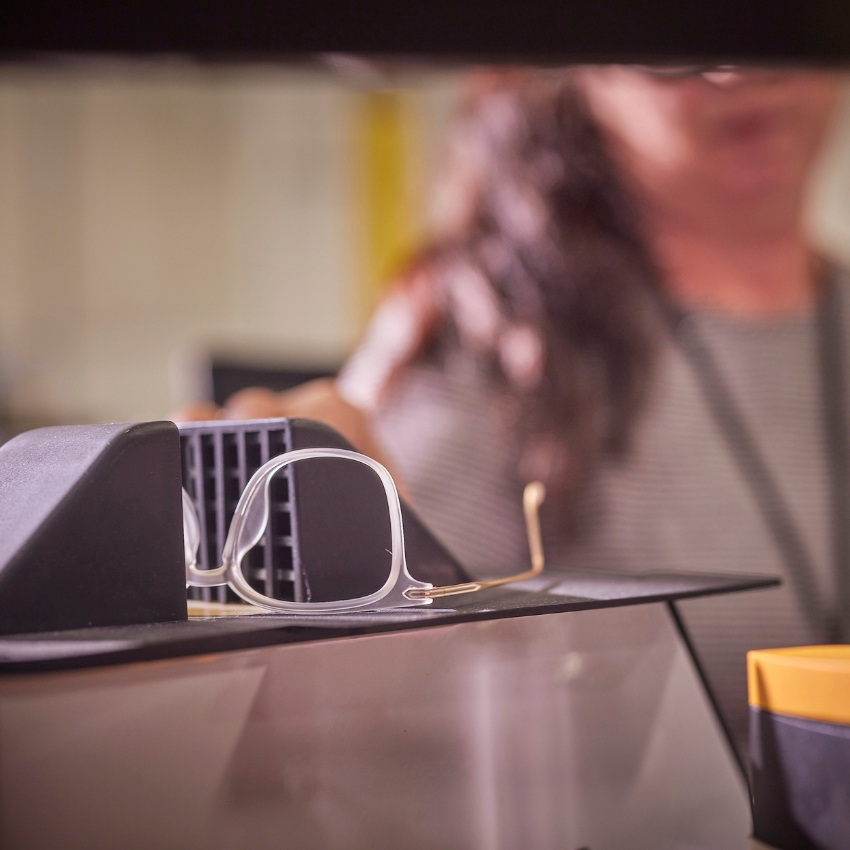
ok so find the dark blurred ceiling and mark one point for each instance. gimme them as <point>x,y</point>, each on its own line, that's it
<point>808,31</point>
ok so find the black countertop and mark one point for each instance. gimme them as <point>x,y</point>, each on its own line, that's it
<point>553,592</point>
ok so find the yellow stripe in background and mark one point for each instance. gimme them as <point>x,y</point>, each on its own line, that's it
<point>387,209</point>
<point>810,682</point>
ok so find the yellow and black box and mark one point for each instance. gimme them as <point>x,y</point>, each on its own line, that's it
<point>800,746</point>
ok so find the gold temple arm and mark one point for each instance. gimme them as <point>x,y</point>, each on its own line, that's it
<point>532,499</point>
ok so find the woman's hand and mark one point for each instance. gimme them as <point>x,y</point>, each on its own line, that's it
<point>319,400</point>
<point>196,411</point>
<point>250,403</point>
<point>256,403</point>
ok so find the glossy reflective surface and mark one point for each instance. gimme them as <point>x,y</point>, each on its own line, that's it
<point>581,729</point>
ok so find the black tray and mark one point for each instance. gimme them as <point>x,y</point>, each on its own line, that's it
<point>551,593</point>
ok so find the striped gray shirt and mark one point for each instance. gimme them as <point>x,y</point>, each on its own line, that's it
<point>677,502</point>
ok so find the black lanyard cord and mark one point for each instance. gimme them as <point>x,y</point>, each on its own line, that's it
<point>831,355</point>
<point>744,448</point>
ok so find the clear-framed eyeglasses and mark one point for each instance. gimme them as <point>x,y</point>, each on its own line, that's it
<point>398,590</point>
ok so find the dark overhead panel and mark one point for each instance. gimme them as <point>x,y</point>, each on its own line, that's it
<point>566,30</point>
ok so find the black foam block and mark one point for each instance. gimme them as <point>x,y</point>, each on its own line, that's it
<point>336,540</point>
<point>91,527</point>
<point>427,558</point>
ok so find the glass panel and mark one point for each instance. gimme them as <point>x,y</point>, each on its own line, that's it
<point>576,730</point>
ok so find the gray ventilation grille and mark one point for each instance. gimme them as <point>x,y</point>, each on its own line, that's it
<point>218,459</point>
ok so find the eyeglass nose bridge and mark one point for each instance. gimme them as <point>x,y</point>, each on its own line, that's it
<point>393,593</point>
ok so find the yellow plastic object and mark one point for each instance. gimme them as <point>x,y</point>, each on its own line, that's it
<point>811,682</point>
<point>388,159</point>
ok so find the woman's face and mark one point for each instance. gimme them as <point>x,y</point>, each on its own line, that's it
<point>733,146</point>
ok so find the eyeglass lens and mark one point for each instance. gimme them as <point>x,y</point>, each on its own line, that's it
<point>331,541</point>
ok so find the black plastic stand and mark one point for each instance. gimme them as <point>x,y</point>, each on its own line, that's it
<point>91,530</point>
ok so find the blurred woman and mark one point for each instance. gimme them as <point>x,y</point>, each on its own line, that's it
<point>621,299</point>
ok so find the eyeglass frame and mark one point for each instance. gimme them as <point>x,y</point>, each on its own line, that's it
<point>400,590</point>
<point>677,73</point>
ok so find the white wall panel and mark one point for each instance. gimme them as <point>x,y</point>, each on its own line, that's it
<point>156,209</point>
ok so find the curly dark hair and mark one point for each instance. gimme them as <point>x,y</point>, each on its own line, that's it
<point>542,271</point>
